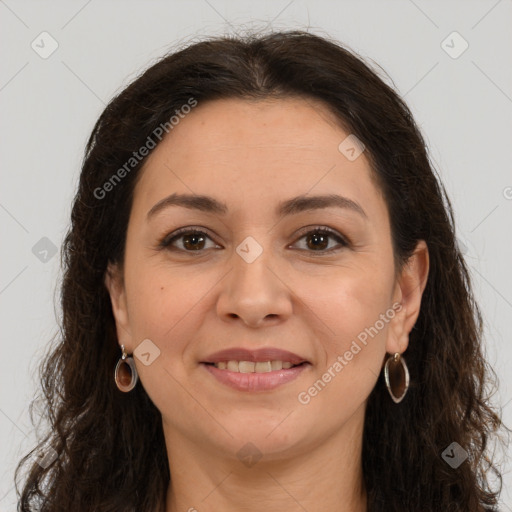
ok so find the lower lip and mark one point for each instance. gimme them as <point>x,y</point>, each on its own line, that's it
<point>255,381</point>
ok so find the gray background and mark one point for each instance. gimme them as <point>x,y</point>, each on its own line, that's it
<point>49,105</point>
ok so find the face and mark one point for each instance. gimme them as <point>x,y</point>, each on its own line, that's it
<point>307,277</point>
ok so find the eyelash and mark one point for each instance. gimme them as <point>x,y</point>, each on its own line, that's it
<point>166,242</point>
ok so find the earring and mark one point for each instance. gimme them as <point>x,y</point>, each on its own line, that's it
<point>396,375</point>
<point>125,374</point>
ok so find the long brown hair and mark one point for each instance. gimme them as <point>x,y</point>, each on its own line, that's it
<point>109,447</point>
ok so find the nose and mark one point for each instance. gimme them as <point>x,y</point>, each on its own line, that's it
<point>255,293</point>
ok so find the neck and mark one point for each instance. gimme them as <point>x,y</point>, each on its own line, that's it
<point>326,477</point>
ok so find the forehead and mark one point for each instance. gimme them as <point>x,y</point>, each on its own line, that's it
<point>231,123</point>
<point>236,148</point>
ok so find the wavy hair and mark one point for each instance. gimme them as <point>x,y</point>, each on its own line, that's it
<point>108,448</point>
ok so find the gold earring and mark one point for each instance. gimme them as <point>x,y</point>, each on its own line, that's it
<point>396,375</point>
<point>125,374</point>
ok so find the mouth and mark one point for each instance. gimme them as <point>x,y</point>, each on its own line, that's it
<point>255,370</point>
<point>254,366</point>
<point>270,357</point>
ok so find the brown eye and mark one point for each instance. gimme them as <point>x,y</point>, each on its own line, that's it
<point>193,241</point>
<point>321,240</point>
<point>318,240</point>
<point>187,240</point>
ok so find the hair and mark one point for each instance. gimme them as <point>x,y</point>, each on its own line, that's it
<point>100,437</point>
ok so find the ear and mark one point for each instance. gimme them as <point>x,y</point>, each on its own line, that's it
<point>408,292</point>
<point>114,282</point>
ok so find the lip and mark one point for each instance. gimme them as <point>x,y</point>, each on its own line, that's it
<point>258,355</point>
<point>254,382</point>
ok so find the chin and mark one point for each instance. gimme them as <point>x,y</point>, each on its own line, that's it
<point>272,439</point>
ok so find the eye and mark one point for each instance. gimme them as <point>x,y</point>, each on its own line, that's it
<point>194,240</point>
<point>190,240</point>
<point>317,240</point>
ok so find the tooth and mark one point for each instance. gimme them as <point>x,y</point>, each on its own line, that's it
<point>252,367</point>
<point>233,366</point>
<point>263,366</point>
<point>246,366</point>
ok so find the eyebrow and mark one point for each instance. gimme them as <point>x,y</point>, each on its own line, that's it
<point>289,207</point>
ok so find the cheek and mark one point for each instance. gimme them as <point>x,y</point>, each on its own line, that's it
<point>162,302</point>
<point>352,319</point>
<point>355,318</point>
<point>348,301</point>
<point>164,308</point>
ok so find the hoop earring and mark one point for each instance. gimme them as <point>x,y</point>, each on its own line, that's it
<point>396,375</point>
<point>125,374</point>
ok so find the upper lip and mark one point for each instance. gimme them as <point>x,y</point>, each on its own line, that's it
<point>258,355</point>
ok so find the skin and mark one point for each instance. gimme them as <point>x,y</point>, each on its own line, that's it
<point>252,155</point>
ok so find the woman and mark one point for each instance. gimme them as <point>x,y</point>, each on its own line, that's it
<point>264,306</point>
